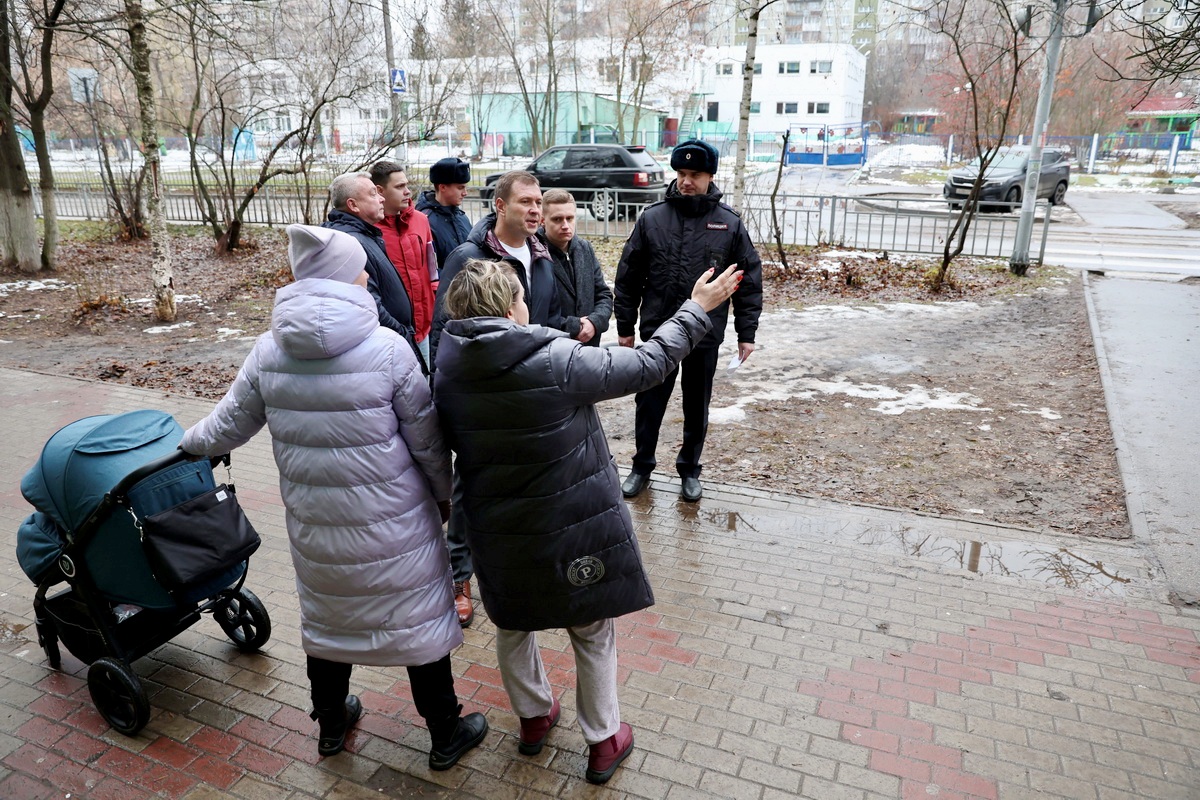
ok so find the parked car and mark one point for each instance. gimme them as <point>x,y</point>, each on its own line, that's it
<point>1004,180</point>
<point>604,178</point>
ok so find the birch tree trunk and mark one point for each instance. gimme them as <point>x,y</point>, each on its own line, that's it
<point>739,172</point>
<point>161,276</point>
<point>18,226</point>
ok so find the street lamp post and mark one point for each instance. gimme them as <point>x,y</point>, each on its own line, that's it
<point>1019,262</point>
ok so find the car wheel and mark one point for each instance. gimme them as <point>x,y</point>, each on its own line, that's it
<point>1013,198</point>
<point>603,205</point>
<point>1060,194</point>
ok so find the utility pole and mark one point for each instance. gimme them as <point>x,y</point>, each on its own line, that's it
<point>1019,262</point>
<point>86,80</point>
<point>390,52</point>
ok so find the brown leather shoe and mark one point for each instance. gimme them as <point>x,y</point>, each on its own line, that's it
<point>462,603</point>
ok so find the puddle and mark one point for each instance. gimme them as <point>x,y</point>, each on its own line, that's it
<point>1079,567</point>
<point>1071,568</point>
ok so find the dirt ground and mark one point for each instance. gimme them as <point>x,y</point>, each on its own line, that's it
<point>982,402</point>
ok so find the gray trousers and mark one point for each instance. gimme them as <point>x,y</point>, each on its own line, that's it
<point>528,688</point>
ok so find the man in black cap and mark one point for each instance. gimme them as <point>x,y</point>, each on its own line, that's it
<point>673,242</point>
<point>443,205</point>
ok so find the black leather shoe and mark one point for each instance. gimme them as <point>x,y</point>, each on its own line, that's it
<point>634,484</point>
<point>335,724</point>
<point>692,490</point>
<point>469,732</point>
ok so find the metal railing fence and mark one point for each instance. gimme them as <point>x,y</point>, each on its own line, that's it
<point>895,224</point>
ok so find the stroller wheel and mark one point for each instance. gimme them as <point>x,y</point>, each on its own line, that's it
<point>118,695</point>
<point>244,619</point>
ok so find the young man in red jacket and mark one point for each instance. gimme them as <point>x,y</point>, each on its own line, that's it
<point>409,244</point>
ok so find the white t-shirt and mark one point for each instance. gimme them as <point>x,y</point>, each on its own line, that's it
<point>520,254</point>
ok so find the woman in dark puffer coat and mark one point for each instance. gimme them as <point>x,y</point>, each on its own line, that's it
<point>552,539</point>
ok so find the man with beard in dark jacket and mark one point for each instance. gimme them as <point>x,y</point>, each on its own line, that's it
<point>586,300</point>
<point>509,234</point>
<point>357,210</point>
<point>672,244</point>
<point>443,205</point>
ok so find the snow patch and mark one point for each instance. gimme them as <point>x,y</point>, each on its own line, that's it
<point>225,333</point>
<point>1042,412</point>
<point>49,284</point>
<point>166,328</point>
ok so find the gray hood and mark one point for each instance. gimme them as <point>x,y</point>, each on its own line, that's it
<point>316,318</point>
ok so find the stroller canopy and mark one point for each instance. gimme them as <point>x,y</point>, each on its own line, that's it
<point>89,457</point>
<point>78,466</point>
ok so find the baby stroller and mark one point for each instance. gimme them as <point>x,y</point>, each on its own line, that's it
<point>96,482</point>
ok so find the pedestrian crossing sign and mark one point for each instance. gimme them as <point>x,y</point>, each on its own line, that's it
<point>399,81</point>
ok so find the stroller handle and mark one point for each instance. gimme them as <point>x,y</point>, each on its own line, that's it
<point>151,467</point>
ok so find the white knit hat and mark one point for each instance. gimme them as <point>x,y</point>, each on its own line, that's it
<point>324,253</point>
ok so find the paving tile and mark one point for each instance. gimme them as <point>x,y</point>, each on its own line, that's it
<point>786,657</point>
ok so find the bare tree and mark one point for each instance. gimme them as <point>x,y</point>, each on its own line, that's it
<point>18,229</point>
<point>643,43</point>
<point>1168,41</point>
<point>1089,96</point>
<point>478,72</point>
<point>987,58</point>
<point>898,75</point>
<point>161,276</point>
<point>264,88</point>
<point>32,49</point>
<point>752,10</point>
<point>528,34</point>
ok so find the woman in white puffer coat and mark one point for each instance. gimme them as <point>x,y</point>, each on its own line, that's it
<point>365,479</point>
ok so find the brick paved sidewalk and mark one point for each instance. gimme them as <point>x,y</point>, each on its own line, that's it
<point>798,648</point>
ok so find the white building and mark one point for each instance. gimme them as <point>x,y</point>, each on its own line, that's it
<point>795,85</point>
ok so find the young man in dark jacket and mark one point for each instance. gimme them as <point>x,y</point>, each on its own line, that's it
<point>443,205</point>
<point>510,235</point>
<point>586,300</point>
<point>357,210</point>
<point>673,242</point>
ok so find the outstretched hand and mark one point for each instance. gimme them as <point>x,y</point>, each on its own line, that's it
<point>712,293</point>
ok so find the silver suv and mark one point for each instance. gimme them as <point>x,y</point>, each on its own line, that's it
<point>1004,181</point>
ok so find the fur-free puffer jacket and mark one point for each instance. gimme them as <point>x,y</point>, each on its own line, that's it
<point>362,464</point>
<point>551,537</point>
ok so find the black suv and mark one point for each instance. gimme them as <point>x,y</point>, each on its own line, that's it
<point>604,178</point>
<point>1004,180</point>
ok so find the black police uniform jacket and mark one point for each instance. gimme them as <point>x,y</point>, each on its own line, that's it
<point>550,535</point>
<point>673,242</point>
<point>449,224</point>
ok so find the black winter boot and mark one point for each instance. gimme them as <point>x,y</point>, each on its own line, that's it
<point>334,725</point>
<point>453,737</point>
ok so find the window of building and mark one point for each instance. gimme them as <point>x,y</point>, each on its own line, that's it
<point>364,113</point>
<point>820,67</point>
<point>755,107</point>
<point>724,69</point>
<point>787,108</point>
<point>758,68</point>
<point>789,67</point>
<point>610,69</point>
<point>381,113</point>
<point>818,108</point>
